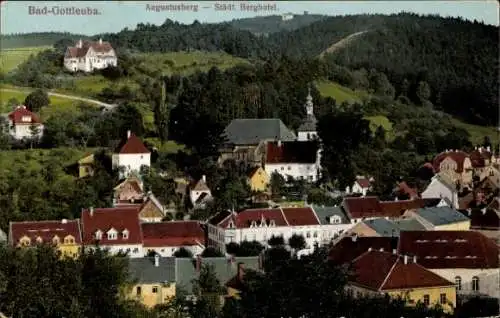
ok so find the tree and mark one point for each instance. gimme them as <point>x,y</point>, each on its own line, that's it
<point>208,291</point>
<point>423,93</point>
<point>297,242</point>
<point>12,103</point>
<point>183,253</point>
<point>486,142</point>
<point>276,241</point>
<point>249,248</point>
<point>211,252</point>
<point>277,183</point>
<point>34,134</point>
<point>161,111</point>
<point>36,100</point>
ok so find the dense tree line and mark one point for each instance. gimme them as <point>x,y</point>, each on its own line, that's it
<point>275,23</point>
<point>10,41</point>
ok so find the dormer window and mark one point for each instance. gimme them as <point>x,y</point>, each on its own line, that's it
<point>39,240</point>
<point>25,241</point>
<point>125,234</point>
<point>56,240</point>
<point>272,223</point>
<point>98,235</point>
<point>230,225</point>
<point>253,224</point>
<point>69,240</point>
<point>112,234</point>
<point>26,119</point>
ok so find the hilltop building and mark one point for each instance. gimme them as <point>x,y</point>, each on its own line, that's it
<point>87,56</point>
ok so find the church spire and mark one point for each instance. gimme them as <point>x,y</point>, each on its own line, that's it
<point>309,103</point>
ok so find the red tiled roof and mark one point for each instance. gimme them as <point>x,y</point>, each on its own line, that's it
<point>175,233</point>
<point>292,152</point>
<point>397,208</point>
<point>119,218</point>
<point>385,271</point>
<point>21,111</point>
<point>74,51</point>
<point>478,157</point>
<point>364,183</point>
<point>300,216</point>
<point>368,207</point>
<point>244,218</point>
<point>348,248</point>
<point>450,249</point>
<point>483,218</point>
<point>133,145</point>
<point>405,188</point>
<point>46,230</point>
<point>457,156</point>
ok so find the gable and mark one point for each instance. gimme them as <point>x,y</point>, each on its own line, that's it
<point>150,210</point>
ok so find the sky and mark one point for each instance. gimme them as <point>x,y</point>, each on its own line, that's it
<point>113,16</point>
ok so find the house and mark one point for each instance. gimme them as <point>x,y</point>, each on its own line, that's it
<point>362,186</point>
<point>24,124</point>
<point>482,158</point>
<point>307,130</point>
<point>485,220</point>
<point>246,139</point>
<point>131,155</point>
<point>440,218</point>
<point>384,227</point>
<point>86,166</point>
<point>88,56</point>
<point>364,208</point>
<point>129,191</point>
<point>347,249</point>
<point>116,229</point>
<point>293,159</point>
<point>261,224</point>
<point>151,210</point>
<point>64,234</point>
<point>165,238</point>
<point>200,193</point>
<point>456,165</point>
<point>154,280</point>
<point>258,180</point>
<point>381,272</point>
<point>442,186</point>
<point>334,222</point>
<point>467,258</point>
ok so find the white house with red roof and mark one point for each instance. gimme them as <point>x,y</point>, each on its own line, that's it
<point>165,238</point>
<point>318,225</point>
<point>23,123</point>
<point>131,155</point>
<point>116,229</point>
<point>87,56</point>
<point>361,186</point>
<point>200,193</point>
<point>295,159</point>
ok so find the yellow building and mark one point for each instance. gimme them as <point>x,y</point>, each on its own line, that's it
<point>65,235</point>
<point>378,272</point>
<point>154,280</point>
<point>86,166</point>
<point>441,218</point>
<point>258,180</point>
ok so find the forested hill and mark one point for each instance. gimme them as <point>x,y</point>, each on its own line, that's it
<point>457,58</point>
<point>35,39</point>
<point>275,23</point>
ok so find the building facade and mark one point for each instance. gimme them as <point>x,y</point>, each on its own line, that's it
<point>24,124</point>
<point>131,156</point>
<point>87,56</point>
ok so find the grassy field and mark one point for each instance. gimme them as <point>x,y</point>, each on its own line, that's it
<point>477,133</point>
<point>57,104</point>
<point>168,147</point>
<point>340,93</point>
<point>11,58</point>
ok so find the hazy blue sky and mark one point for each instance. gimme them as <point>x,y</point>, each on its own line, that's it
<point>116,15</point>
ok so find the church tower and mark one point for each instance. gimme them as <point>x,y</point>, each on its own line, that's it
<point>307,130</point>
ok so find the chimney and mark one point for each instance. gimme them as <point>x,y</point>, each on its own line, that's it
<point>279,142</point>
<point>469,211</point>
<point>415,259</point>
<point>157,260</point>
<point>381,249</point>
<point>198,263</point>
<point>369,249</point>
<point>241,271</point>
<point>79,44</point>
<point>406,259</point>
<point>204,178</point>
<point>354,237</point>
<point>394,251</point>
<point>128,134</point>
<point>488,149</point>
<point>100,41</point>
<point>64,221</point>
<point>480,149</point>
<point>91,211</point>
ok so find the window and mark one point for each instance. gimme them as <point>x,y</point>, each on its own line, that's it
<point>136,250</point>
<point>426,300</point>
<point>111,236</point>
<point>289,168</point>
<point>98,235</point>
<point>308,235</point>
<point>442,299</point>
<point>125,234</point>
<point>458,282</point>
<point>155,289</point>
<point>315,234</point>
<point>138,290</point>
<point>475,283</point>
<point>56,240</point>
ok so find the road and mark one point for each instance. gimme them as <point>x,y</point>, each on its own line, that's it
<point>83,99</point>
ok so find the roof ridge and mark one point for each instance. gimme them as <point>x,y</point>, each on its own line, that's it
<point>398,259</point>
<point>284,217</point>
